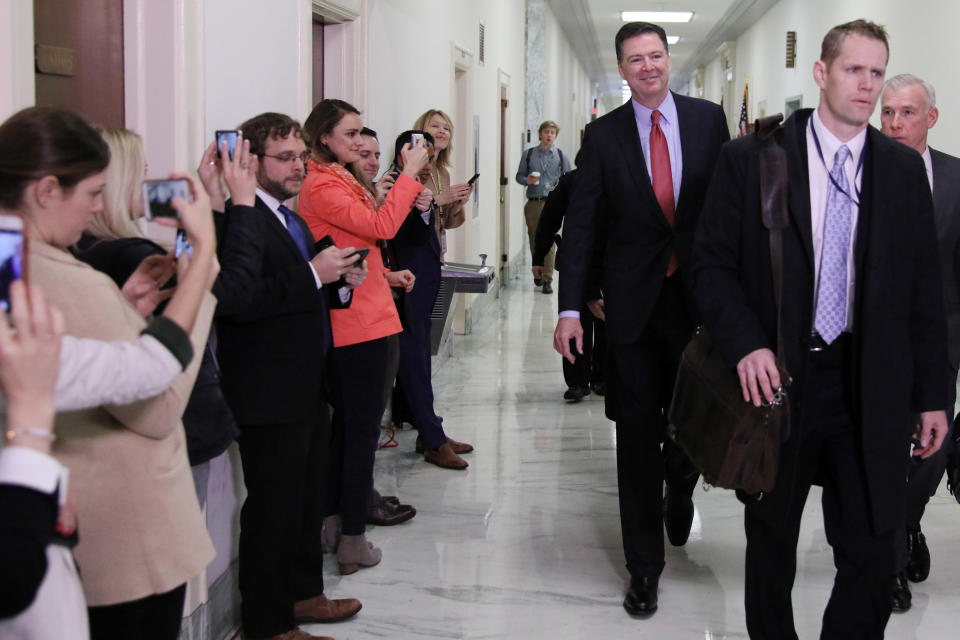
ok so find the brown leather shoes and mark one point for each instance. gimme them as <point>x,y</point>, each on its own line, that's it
<point>445,457</point>
<point>458,447</point>
<point>386,514</point>
<point>321,609</point>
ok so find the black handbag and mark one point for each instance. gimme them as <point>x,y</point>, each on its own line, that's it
<point>734,444</point>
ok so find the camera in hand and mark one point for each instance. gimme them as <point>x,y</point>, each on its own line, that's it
<point>229,136</point>
<point>157,195</point>
<point>11,256</point>
<point>182,245</point>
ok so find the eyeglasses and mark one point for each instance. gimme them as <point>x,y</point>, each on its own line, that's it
<point>288,158</point>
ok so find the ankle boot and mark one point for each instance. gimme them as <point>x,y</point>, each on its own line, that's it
<point>355,552</point>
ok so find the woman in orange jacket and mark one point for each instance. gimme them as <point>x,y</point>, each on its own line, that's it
<point>333,202</point>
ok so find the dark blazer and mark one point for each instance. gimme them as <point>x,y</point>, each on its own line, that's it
<point>27,520</point>
<point>273,323</point>
<point>638,239</point>
<point>899,345</point>
<point>946,212</point>
<point>551,218</point>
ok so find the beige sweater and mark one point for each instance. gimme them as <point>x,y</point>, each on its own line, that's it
<point>141,530</point>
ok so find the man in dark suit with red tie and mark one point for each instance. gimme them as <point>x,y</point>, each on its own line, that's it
<point>649,162</point>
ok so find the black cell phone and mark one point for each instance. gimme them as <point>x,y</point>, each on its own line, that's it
<point>157,195</point>
<point>473,179</point>
<point>323,243</point>
<point>11,256</point>
<point>230,136</point>
<point>354,260</point>
<point>182,245</point>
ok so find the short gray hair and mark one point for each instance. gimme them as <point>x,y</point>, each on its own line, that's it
<point>908,80</point>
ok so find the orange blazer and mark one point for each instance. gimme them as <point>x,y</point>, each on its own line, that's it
<point>329,206</point>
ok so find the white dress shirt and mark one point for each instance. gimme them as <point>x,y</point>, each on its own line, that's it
<point>819,171</point>
<point>928,163</point>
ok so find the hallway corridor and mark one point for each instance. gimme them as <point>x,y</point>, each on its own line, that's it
<point>526,542</point>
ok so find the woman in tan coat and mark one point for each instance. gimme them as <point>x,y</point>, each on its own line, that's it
<point>142,535</point>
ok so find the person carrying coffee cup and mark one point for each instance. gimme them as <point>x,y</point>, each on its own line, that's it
<point>539,171</point>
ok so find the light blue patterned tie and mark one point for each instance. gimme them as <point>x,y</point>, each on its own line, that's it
<point>832,296</point>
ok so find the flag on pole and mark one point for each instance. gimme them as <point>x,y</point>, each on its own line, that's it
<point>743,126</point>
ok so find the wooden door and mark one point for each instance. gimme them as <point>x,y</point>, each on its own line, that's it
<point>79,49</point>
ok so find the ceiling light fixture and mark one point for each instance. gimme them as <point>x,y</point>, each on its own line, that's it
<point>673,39</point>
<point>656,16</point>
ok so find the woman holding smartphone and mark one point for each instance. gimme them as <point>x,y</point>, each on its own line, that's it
<point>143,534</point>
<point>334,203</point>
<point>450,198</point>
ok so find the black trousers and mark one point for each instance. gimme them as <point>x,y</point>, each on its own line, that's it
<point>588,368</point>
<point>642,375</point>
<point>281,559</point>
<point>414,377</point>
<point>923,478</point>
<point>155,617</point>
<point>828,450</point>
<point>359,374</point>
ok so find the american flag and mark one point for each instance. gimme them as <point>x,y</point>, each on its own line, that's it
<point>743,126</point>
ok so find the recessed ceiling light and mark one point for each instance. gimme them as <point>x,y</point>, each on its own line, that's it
<point>656,16</point>
<point>673,39</point>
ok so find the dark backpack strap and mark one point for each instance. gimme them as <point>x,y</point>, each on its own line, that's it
<point>773,197</point>
<point>561,159</point>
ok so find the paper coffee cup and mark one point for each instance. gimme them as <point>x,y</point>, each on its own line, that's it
<point>536,174</point>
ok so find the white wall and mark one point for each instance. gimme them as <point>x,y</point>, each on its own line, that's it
<point>16,57</point>
<point>922,41</point>
<point>411,69</point>
<point>568,94</point>
<point>256,59</point>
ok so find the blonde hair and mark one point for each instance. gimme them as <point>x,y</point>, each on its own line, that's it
<point>443,156</point>
<point>124,176</point>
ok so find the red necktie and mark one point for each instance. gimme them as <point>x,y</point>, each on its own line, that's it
<point>662,178</point>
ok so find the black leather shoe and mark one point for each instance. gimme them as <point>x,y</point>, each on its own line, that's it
<point>576,394</point>
<point>918,566</point>
<point>598,388</point>
<point>677,516</point>
<point>900,596</point>
<point>538,282</point>
<point>641,598</point>
<point>547,288</point>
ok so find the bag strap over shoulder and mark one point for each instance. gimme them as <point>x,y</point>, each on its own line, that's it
<point>773,197</point>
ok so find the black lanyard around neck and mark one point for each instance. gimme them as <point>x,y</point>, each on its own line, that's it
<point>816,141</point>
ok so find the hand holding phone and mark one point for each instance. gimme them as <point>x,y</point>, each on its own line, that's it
<point>356,258</point>
<point>230,136</point>
<point>157,195</point>
<point>473,179</point>
<point>11,256</point>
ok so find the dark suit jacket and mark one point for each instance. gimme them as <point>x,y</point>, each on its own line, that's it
<point>899,346</point>
<point>637,238</point>
<point>946,212</point>
<point>273,323</point>
<point>551,218</point>
<point>27,520</point>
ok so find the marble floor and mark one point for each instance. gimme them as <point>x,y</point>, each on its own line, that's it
<point>526,542</point>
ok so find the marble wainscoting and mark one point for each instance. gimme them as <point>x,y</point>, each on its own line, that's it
<point>526,543</point>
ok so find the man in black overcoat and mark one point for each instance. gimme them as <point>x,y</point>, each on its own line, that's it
<point>863,328</point>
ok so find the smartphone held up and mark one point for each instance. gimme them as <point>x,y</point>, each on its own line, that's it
<point>157,195</point>
<point>12,256</point>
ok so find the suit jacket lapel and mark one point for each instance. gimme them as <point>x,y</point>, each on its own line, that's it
<point>689,148</point>
<point>795,139</point>
<point>941,191</point>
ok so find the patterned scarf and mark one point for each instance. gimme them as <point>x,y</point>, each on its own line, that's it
<point>343,174</point>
